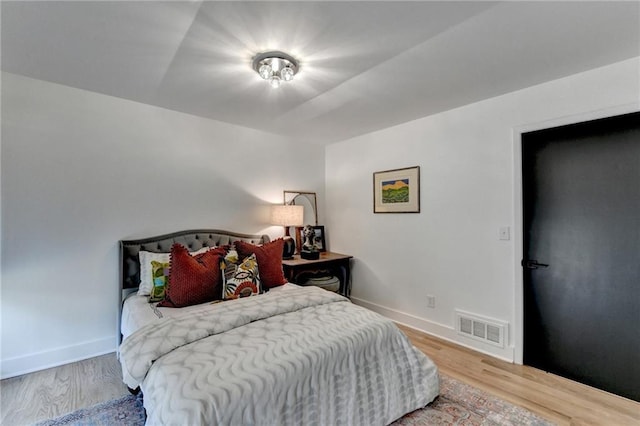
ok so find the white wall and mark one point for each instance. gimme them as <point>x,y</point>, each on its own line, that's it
<point>80,171</point>
<point>469,175</point>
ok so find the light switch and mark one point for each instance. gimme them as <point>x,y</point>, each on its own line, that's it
<point>504,233</point>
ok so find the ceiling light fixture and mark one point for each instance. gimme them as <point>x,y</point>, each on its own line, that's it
<point>275,67</point>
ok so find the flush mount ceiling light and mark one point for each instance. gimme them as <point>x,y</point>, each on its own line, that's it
<point>275,67</point>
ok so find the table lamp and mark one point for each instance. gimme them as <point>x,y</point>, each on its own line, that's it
<point>287,215</point>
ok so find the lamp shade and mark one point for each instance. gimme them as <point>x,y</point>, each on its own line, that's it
<point>287,215</point>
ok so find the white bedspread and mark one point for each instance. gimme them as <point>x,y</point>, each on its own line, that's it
<point>305,357</point>
<point>138,312</point>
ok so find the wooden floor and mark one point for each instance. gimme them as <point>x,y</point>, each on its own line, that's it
<point>50,393</point>
<point>554,398</point>
<point>46,394</point>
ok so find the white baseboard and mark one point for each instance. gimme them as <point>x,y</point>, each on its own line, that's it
<point>17,366</point>
<point>438,330</point>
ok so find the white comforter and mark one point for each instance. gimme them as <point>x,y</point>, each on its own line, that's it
<point>306,356</point>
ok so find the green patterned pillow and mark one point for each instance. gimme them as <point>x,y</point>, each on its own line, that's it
<point>146,258</point>
<point>160,276</point>
<point>240,280</point>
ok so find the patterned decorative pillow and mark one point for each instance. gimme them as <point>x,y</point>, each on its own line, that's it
<point>160,273</point>
<point>229,266</point>
<point>232,255</point>
<point>146,269</point>
<point>269,258</point>
<point>193,279</point>
<point>241,280</point>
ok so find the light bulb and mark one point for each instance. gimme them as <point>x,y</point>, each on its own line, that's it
<point>275,81</point>
<point>287,73</point>
<point>265,71</point>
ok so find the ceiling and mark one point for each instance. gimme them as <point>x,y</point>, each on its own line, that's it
<point>364,66</point>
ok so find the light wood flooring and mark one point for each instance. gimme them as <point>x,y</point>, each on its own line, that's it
<point>46,394</point>
<point>50,393</point>
<point>554,398</point>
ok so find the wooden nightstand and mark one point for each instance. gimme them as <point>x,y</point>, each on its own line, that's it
<point>337,264</point>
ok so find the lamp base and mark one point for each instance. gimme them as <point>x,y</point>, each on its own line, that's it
<point>289,248</point>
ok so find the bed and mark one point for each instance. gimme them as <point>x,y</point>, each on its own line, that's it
<point>292,355</point>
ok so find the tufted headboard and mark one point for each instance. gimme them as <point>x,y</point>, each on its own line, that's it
<point>192,239</point>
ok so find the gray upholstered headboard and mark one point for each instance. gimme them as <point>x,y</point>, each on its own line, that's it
<point>192,239</point>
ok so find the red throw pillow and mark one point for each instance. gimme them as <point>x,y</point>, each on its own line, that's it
<point>193,279</point>
<point>269,258</point>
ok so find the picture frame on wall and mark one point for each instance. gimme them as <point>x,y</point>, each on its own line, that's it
<point>319,238</point>
<point>397,191</point>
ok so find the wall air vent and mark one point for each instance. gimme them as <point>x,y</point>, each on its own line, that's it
<point>480,328</point>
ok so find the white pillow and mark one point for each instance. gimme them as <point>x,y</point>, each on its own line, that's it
<point>146,277</point>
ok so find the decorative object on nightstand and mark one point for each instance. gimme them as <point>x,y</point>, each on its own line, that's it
<point>308,200</point>
<point>318,239</point>
<point>287,216</point>
<point>309,248</point>
<point>310,254</point>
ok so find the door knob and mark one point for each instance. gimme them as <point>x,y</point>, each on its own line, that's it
<point>533,264</point>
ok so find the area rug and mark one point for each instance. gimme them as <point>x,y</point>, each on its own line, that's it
<point>458,404</point>
<point>462,404</point>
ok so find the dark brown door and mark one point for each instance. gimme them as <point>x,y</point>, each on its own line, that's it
<point>581,266</point>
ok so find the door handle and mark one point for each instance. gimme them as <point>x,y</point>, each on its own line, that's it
<point>533,264</point>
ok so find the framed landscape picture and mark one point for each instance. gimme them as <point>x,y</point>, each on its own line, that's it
<point>397,191</point>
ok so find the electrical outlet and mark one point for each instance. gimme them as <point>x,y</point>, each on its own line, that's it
<point>431,301</point>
